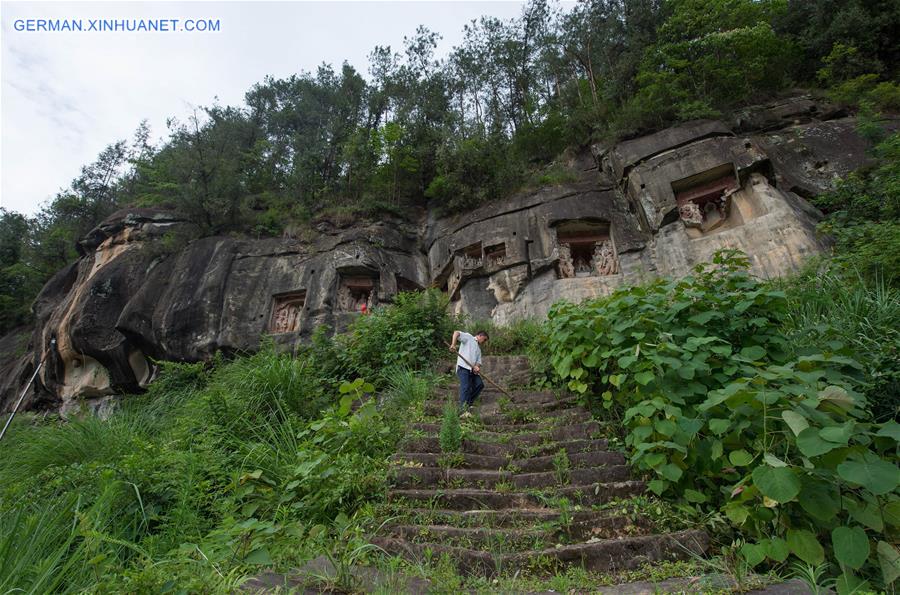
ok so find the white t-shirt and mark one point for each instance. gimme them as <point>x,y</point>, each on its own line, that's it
<point>468,348</point>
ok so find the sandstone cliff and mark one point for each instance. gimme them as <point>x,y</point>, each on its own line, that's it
<point>655,205</point>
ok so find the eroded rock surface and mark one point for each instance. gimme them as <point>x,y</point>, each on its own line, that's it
<point>655,205</point>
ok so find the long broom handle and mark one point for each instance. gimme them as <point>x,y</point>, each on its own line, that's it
<point>24,391</point>
<point>495,385</point>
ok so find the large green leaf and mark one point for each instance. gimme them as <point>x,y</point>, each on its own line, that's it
<point>891,430</point>
<point>740,458</point>
<point>671,472</point>
<point>819,499</point>
<point>889,559</point>
<point>873,473</point>
<point>892,513</point>
<point>811,444</point>
<point>753,553</point>
<point>778,483</point>
<point>795,421</point>
<point>805,546</point>
<point>719,426</point>
<point>777,549</point>
<point>851,546</point>
<point>838,434</point>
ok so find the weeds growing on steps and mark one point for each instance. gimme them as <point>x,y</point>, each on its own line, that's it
<point>450,437</point>
<point>219,469</point>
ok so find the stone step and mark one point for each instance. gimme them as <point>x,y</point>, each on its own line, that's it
<point>431,444</point>
<point>501,423</point>
<point>584,430</point>
<point>596,458</point>
<point>469,499</point>
<point>436,407</point>
<point>519,538</point>
<point>411,477</point>
<point>602,555</point>
<point>492,396</point>
<point>599,521</point>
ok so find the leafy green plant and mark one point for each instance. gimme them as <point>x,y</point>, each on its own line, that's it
<point>409,332</point>
<point>450,437</point>
<point>724,415</point>
<point>562,466</point>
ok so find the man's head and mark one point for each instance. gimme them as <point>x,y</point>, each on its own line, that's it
<point>481,337</point>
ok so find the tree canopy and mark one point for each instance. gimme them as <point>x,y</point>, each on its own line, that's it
<point>455,131</point>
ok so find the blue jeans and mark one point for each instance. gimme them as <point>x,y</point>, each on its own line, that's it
<point>470,386</point>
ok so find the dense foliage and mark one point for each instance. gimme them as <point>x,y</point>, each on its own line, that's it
<point>726,413</point>
<point>459,130</point>
<point>864,214</point>
<point>216,470</point>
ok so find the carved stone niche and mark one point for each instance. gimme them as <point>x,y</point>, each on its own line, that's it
<point>287,310</point>
<point>356,294</point>
<point>704,199</point>
<point>473,256</point>
<point>495,254</point>
<point>585,249</point>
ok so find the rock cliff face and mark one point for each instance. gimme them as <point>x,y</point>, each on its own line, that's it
<point>655,205</point>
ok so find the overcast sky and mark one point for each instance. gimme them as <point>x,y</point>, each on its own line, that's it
<point>67,95</point>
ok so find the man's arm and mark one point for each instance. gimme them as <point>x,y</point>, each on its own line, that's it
<point>453,341</point>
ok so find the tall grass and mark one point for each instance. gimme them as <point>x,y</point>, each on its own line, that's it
<point>862,315</point>
<point>157,493</point>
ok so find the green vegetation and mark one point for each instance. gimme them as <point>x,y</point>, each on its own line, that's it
<point>494,115</point>
<point>450,437</point>
<point>730,414</point>
<point>215,471</point>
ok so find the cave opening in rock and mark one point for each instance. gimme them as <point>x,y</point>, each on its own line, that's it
<point>356,294</point>
<point>585,249</point>
<point>704,199</point>
<point>286,312</point>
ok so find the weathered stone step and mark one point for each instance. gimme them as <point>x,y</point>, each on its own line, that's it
<point>583,430</point>
<point>410,477</point>
<point>602,555</point>
<point>504,424</point>
<point>469,499</point>
<point>590,522</point>
<point>512,539</point>
<point>436,407</point>
<point>492,396</point>
<point>431,444</point>
<point>527,465</point>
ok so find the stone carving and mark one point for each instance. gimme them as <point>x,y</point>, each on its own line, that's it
<point>690,214</point>
<point>566,267</point>
<point>286,313</point>
<point>356,295</point>
<point>605,261</point>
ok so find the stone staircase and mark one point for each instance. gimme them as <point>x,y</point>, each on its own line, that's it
<point>533,488</point>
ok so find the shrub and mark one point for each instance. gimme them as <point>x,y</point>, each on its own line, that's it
<point>724,415</point>
<point>410,332</point>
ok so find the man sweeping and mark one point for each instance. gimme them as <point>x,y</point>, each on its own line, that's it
<point>468,366</point>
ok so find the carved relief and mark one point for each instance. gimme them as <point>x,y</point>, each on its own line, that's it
<point>605,261</point>
<point>690,214</point>
<point>286,313</point>
<point>704,200</point>
<point>585,250</point>
<point>495,254</point>
<point>566,267</point>
<point>356,294</point>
